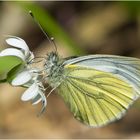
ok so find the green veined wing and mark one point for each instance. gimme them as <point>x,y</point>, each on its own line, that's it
<point>95,97</point>
<point>126,68</point>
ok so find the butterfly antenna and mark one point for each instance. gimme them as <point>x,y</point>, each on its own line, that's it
<point>50,40</point>
<point>53,41</point>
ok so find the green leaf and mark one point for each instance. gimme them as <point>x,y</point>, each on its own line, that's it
<point>12,74</point>
<point>133,7</point>
<point>8,63</point>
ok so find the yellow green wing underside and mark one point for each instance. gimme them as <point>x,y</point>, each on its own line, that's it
<point>95,97</point>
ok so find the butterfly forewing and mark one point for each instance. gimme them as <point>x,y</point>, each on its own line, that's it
<point>95,97</point>
<point>126,68</point>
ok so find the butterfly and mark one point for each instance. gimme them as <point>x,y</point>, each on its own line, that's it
<point>98,89</point>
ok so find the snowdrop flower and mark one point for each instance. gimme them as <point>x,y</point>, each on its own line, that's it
<point>28,76</point>
<point>36,90</point>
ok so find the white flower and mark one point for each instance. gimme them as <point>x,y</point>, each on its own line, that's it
<point>20,49</point>
<point>35,93</point>
<point>12,52</point>
<point>22,78</point>
<point>18,43</point>
<point>28,76</point>
<point>30,93</point>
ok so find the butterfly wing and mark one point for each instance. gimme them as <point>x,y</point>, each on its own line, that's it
<point>126,68</point>
<point>95,97</point>
<point>100,88</point>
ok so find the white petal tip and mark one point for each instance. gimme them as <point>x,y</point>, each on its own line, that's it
<point>18,43</point>
<point>30,93</point>
<point>12,52</point>
<point>21,78</point>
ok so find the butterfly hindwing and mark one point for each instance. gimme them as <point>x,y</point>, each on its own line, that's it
<point>95,97</point>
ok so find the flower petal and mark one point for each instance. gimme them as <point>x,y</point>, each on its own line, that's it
<point>31,56</point>
<point>30,93</point>
<point>12,52</point>
<point>44,103</point>
<point>35,73</point>
<point>36,100</point>
<point>18,43</point>
<point>21,78</point>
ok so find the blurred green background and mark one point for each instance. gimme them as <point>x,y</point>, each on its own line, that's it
<point>79,28</point>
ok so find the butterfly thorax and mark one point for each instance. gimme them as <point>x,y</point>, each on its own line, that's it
<point>54,69</point>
